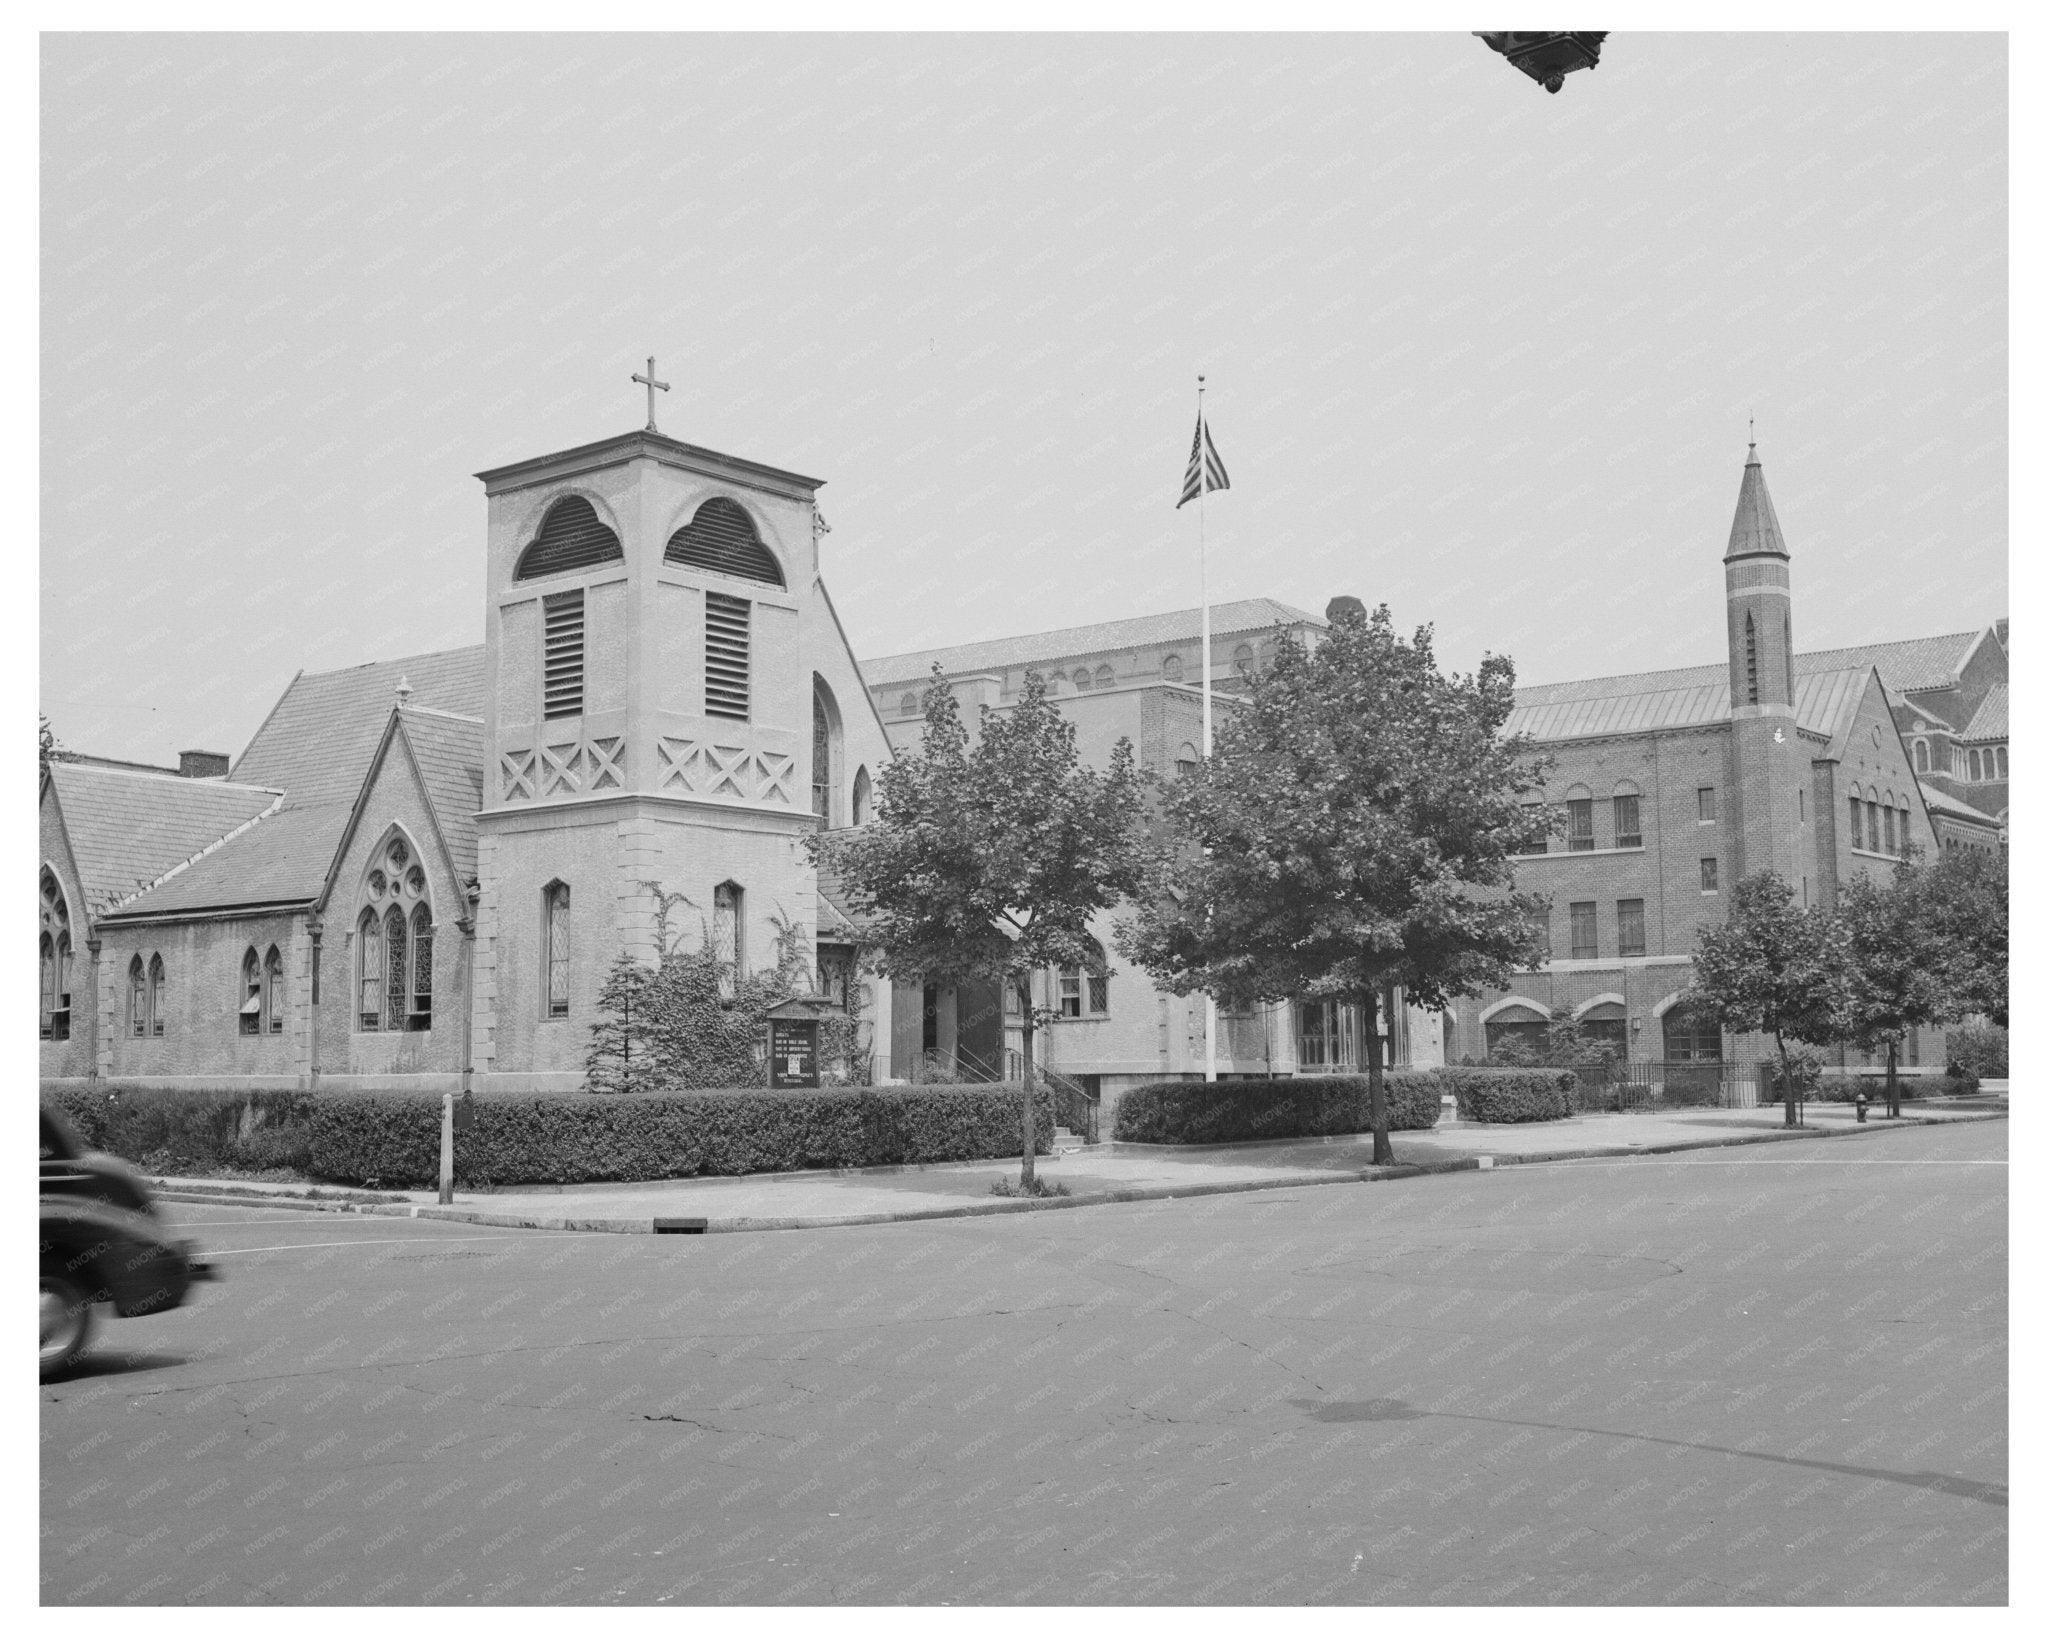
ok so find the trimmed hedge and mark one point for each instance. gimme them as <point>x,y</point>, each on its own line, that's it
<point>199,1130</point>
<point>1305,1106</point>
<point>574,1137</point>
<point>1502,1097</point>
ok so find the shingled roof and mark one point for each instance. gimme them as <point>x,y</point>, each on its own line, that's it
<point>317,741</point>
<point>1940,801</point>
<point>280,860</point>
<point>1178,626</point>
<point>1991,720</point>
<point>450,752</point>
<point>128,828</point>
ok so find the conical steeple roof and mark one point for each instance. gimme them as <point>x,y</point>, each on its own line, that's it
<point>1755,532</point>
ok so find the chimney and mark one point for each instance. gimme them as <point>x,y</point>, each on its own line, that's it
<point>202,764</point>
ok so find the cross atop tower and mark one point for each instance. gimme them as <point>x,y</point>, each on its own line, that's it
<point>652,387</point>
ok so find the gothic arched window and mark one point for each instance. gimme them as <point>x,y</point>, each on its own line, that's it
<point>54,949</point>
<point>249,1015</point>
<point>572,536</point>
<point>722,539</point>
<point>395,941</point>
<point>728,935</point>
<point>555,950</point>
<point>156,995</point>
<point>273,993</point>
<point>826,752</point>
<point>138,997</point>
<point>863,796</point>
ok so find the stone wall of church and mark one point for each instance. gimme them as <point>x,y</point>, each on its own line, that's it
<point>202,1043</point>
<point>605,853</point>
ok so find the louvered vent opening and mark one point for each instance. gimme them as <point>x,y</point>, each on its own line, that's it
<point>562,670</point>
<point>721,538</point>
<point>572,537</point>
<point>727,622</point>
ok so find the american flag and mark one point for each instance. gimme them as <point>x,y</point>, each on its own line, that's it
<point>1205,467</point>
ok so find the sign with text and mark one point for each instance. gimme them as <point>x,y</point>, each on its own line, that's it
<point>792,1052</point>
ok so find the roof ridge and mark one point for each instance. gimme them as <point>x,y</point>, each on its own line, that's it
<point>185,781</point>
<point>397,659</point>
<point>213,846</point>
<point>436,711</point>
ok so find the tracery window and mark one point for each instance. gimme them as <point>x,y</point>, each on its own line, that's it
<point>54,951</point>
<point>395,943</point>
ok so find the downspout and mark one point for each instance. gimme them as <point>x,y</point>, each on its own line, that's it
<point>92,1030</point>
<point>467,925</point>
<point>313,930</point>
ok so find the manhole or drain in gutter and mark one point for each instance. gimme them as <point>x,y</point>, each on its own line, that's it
<point>679,1225</point>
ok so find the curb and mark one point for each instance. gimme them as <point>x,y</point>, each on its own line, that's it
<point>1145,1192</point>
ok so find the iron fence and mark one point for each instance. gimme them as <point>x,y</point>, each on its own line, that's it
<point>1676,1084</point>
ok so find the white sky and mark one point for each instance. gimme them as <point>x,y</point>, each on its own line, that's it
<point>1479,352</point>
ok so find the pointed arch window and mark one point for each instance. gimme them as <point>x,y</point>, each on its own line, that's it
<point>555,950</point>
<point>863,796</point>
<point>1855,819</point>
<point>572,536</point>
<point>827,753</point>
<point>156,995</point>
<point>722,539</point>
<point>1749,652</point>
<point>138,997</point>
<point>273,992</point>
<point>395,942</point>
<point>54,950</point>
<point>728,935</point>
<point>249,1015</point>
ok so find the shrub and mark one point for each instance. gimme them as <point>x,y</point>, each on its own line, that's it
<point>1306,1106</point>
<point>1979,1050</point>
<point>204,1130</point>
<point>572,1137</point>
<point>1512,1096</point>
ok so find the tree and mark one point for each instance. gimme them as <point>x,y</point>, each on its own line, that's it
<point>986,863</point>
<point>1772,966</point>
<point>619,1059</point>
<point>1963,901</point>
<point>1355,830</point>
<point>1896,972</point>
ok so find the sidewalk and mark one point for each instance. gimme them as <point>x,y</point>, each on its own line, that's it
<point>1095,1175</point>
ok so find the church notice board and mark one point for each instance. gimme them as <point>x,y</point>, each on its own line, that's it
<point>792,1052</point>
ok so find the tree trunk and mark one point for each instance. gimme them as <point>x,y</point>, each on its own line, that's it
<point>1785,1078</point>
<point>1382,1147</point>
<point>1891,1078</point>
<point>1029,1175</point>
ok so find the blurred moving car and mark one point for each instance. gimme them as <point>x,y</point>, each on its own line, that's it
<point>103,1241</point>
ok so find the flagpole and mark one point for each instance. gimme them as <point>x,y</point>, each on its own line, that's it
<point>1208,723</point>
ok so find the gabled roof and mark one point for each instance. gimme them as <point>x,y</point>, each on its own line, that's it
<point>1939,801</point>
<point>128,828</point>
<point>317,741</point>
<point>449,751</point>
<point>1910,666</point>
<point>1991,720</point>
<point>281,860</point>
<point>1697,697</point>
<point>1179,625</point>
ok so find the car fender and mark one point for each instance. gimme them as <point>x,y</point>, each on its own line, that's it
<point>116,1255</point>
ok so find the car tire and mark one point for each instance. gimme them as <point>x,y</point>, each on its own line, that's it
<point>66,1321</point>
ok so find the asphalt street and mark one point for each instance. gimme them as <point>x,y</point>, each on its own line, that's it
<point>1750,1376</point>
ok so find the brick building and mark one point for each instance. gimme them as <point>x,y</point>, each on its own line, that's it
<point>1674,784</point>
<point>1137,679</point>
<point>419,870</point>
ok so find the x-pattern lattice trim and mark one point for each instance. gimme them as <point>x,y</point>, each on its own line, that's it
<point>725,770</point>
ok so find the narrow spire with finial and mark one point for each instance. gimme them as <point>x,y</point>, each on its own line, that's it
<point>653,386</point>
<point>404,692</point>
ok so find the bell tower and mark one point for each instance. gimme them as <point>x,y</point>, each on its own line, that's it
<point>1768,771</point>
<point>648,720</point>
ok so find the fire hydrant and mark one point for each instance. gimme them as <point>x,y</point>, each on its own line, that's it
<point>1862,1108</point>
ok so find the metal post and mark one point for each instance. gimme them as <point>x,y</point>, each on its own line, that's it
<point>447,1148</point>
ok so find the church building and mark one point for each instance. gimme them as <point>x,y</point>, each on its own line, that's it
<point>1675,784</point>
<point>419,870</point>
